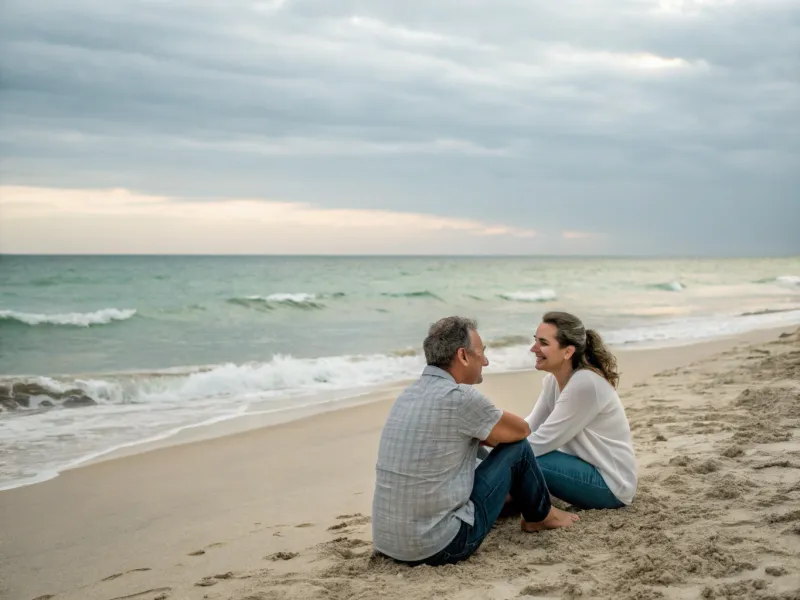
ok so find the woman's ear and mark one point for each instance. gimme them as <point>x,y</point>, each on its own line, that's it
<point>569,352</point>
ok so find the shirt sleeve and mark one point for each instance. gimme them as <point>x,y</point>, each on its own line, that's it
<point>477,416</point>
<point>542,409</point>
<point>579,403</point>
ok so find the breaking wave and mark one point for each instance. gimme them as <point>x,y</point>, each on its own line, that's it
<point>66,421</point>
<point>791,280</point>
<point>302,301</point>
<point>544,295</point>
<point>100,317</point>
<point>671,286</point>
<point>422,294</point>
<point>785,280</point>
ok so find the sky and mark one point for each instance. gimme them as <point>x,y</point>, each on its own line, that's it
<point>635,127</point>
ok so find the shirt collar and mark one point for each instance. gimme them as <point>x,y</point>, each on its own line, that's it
<point>437,372</point>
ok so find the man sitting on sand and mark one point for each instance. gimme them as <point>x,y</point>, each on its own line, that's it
<point>432,505</point>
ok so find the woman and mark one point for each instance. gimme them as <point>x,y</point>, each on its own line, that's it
<point>580,434</point>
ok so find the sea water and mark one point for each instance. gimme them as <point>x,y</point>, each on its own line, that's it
<point>161,343</point>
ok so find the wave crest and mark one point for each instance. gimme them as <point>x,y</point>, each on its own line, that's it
<point>670,286</point>
<point>784,280</point>
<point>420,294</point>
<point>791,280</point>
<point>543,295</point>
<point>100,317</point>
<point>300,300</point>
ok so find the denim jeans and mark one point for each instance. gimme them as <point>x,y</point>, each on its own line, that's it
<point>509,468</point>
<point>576,481</point>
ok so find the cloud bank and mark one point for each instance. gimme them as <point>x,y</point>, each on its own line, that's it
<point>660,127</point>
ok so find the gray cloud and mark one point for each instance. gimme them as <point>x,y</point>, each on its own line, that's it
<point>534,114</point>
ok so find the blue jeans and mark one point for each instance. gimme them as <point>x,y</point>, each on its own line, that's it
<point>576,481</point>
<point>509,468</point>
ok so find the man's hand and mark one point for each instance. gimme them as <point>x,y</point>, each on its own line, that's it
<point>510,428</point>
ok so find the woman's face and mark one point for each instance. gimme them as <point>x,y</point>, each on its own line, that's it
<point>550,356</point>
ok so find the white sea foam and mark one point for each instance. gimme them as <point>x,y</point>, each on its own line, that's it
<point>100,317</point>
<point>692,329</point>
<point>134,409</point>
<point>297,298</point>
<point>543,295</point>
<point>790,280</point>
<point>672,286</point>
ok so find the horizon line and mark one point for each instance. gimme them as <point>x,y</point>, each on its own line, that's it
<point>392,255</point>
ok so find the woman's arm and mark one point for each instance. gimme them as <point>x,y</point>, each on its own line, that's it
<point>576,407</point>
<point>542,408</point>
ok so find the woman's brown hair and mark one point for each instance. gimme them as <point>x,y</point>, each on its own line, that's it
<point>590,350</point>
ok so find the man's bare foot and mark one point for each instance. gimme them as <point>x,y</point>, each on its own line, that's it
<point>555,518</point>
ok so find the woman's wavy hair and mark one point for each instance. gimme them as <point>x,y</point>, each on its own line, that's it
<point>590,350</point>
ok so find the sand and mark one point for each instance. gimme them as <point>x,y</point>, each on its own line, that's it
<point>282,512</point>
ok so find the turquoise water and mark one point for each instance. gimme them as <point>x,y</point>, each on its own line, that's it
<point>161,343</point>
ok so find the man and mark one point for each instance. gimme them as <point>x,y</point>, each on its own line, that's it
<point>431,504</point>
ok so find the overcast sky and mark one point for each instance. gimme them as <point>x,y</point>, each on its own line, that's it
<point>456,126</point>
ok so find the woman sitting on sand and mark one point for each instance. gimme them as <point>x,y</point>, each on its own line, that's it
<point>580,434</point>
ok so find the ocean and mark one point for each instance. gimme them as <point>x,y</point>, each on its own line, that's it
<point>103,352</point>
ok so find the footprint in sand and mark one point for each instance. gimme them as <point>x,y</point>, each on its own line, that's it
<point>733,451</point>
<point>201,552</point>
<point>539,589</point>
<point>351,522</point>
<point>281,556</point>
<point>162,591</point>
<point>215,579</point>
<point>343,547</point>
<point>116,575</point>
<point>784,464</point>
<point>789,517</point>
<point>45,597</point>
<point>304,525</point>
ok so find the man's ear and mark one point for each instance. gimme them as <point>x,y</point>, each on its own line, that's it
<point>462,355</point>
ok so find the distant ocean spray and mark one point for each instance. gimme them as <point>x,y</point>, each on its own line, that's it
<point>98,353</point>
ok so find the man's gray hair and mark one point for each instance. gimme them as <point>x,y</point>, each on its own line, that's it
<point>444,339</point>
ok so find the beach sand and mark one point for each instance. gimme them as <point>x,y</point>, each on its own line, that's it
<point>283,512</point>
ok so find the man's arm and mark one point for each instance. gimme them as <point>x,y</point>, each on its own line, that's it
<point>510,428</point>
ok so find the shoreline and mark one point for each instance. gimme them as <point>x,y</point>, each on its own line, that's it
<point>388,391</point>
<point>330,401</point>
<point>267,507</point>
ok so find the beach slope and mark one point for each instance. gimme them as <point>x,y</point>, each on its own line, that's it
<point>283,512</point>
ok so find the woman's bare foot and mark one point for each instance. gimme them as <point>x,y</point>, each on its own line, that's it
<point>555,518</point>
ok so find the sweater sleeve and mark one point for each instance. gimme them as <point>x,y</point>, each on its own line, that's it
<point>542,408</point>
<point>579,403</point>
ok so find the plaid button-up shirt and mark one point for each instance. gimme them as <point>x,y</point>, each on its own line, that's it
<point>426,465</point>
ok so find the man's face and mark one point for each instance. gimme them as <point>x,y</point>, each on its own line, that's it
<point>476,358</point>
